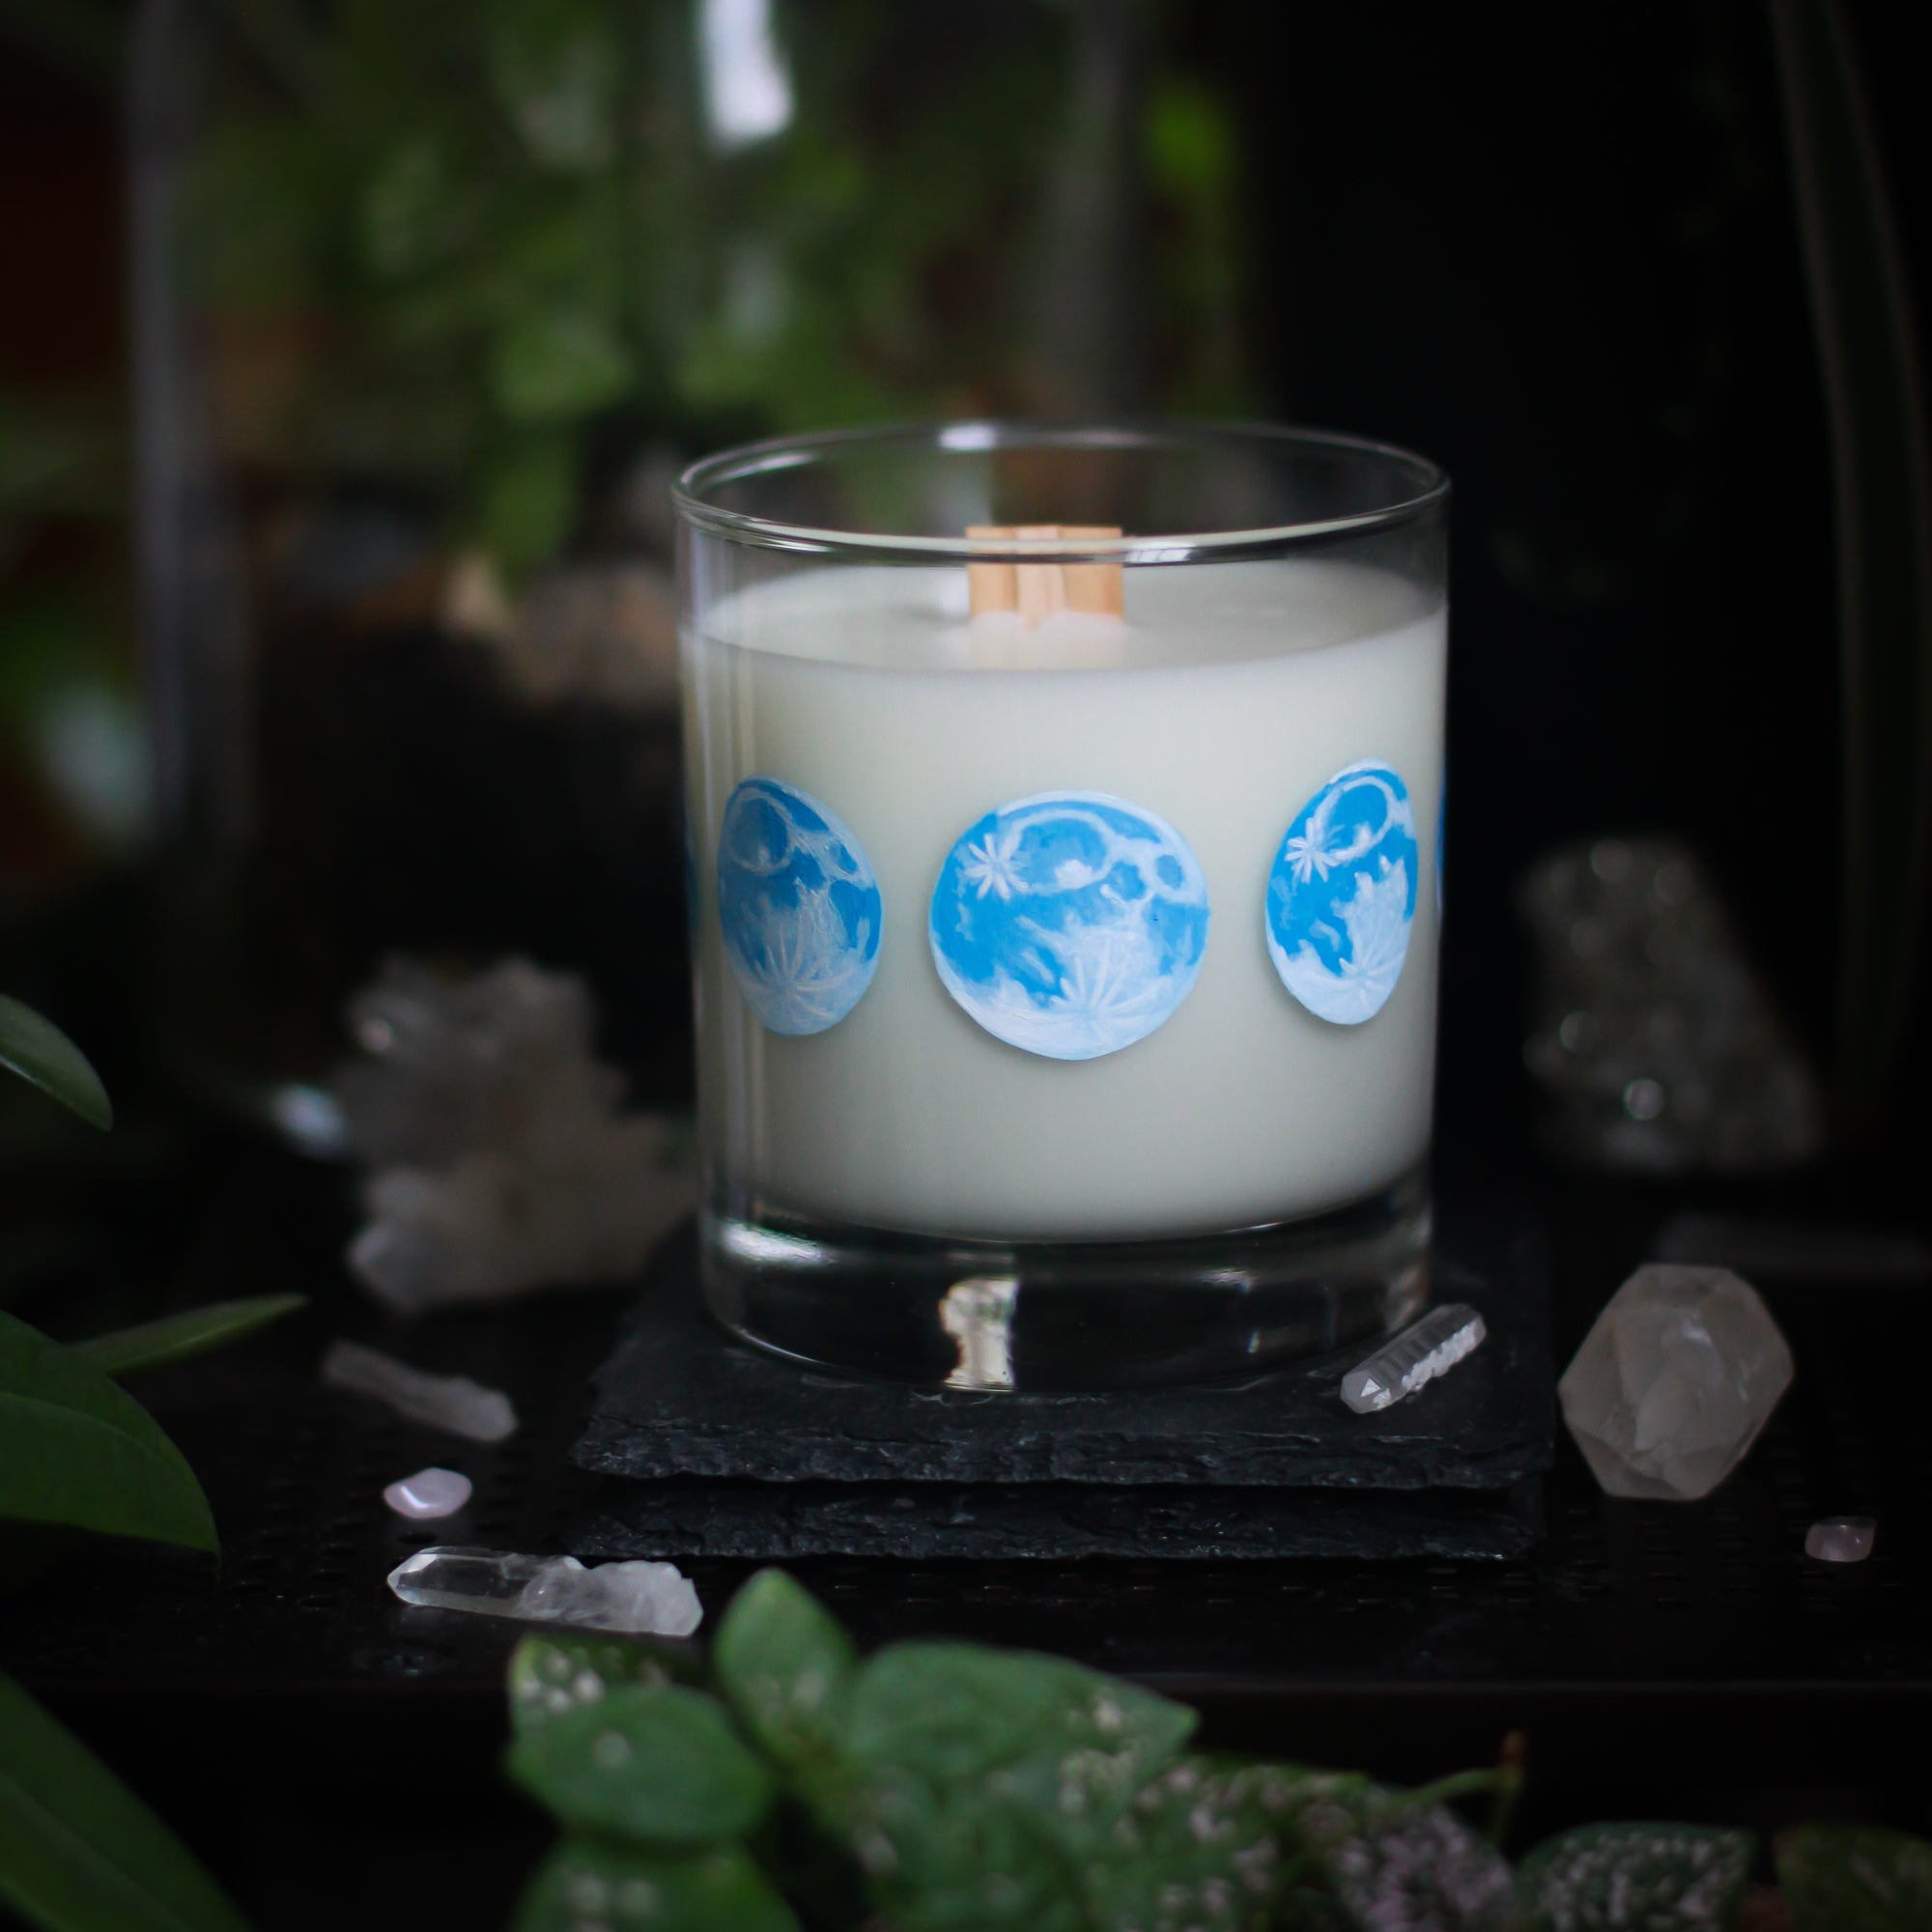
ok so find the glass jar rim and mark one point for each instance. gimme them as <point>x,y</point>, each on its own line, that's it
<point>1429,489</point>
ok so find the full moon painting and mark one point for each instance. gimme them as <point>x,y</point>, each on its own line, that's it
<point>1070,925</point>
<point>799,905</point>
<point>1340,895</point>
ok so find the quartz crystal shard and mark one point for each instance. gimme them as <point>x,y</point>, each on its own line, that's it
<point>1672,1385</point>
<point>636,1599</point>
<point>1422,1351</point>
<point>444,1401</point>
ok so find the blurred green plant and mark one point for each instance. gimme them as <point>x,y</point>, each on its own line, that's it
<point>79,1851</point>
<point>66,697</point>
<point>477,238</point>
<point>937,1787</point>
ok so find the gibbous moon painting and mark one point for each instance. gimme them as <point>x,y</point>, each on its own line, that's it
<point>1340,895</point>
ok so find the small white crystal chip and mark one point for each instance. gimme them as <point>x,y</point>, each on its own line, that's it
<point>1422,1351</point>
<point>429,1493</point>
<point>445,1401</point>
<point>1840,1539</point>
<point>1673,1382</point>
<point>636,1598</point>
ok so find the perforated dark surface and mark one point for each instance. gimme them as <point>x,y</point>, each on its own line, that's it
<point>1706,1622</point>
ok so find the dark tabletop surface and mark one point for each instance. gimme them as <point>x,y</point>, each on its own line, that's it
<point>1658,1657</point>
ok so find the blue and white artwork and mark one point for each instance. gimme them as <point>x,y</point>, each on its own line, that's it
<point>1070,925</point>
<point>1340,895</point>
<point>799,904</point>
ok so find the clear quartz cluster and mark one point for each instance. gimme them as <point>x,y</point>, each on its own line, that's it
<point>1673,1382</point>
<point>498,1158</point>
<point>1655,1043</point>
<point>1422,1351</point>
<point>639,1599</point>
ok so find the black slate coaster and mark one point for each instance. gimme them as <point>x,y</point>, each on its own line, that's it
<point>777,1522</point>
<point>724,1451</point>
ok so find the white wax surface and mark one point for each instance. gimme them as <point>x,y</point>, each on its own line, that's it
<point>1231,694</point>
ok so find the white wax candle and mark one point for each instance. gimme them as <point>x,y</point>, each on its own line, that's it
<point>1229,697</point>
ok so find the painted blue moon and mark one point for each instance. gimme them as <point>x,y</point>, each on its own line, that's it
<point>1340,895</point>
<point>1070,925</point>
<point>800,907</point>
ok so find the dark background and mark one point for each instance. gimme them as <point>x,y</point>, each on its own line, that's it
<point>1552,247</point>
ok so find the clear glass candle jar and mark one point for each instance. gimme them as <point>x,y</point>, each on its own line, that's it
<point>1064,905</point>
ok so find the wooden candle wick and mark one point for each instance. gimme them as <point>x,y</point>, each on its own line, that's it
<point>1037,590</point>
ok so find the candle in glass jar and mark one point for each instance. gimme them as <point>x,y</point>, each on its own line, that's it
<point>1215,747</point>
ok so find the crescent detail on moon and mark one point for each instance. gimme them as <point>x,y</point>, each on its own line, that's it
<point>1340,895</point>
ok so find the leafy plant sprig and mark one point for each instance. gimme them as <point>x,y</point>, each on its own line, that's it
<point>947,1787</point>
<point>79,1851</point>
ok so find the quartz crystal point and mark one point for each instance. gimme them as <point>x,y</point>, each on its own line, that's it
<point>1672,1385</point>
<point>444,1401</point>
<point>1422,1351</point>
<point>636,1599</point>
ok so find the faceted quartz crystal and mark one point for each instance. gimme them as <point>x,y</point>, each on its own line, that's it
<point>637,1599</point>
<point>1422,1351</point>
<point>1672,1385</point>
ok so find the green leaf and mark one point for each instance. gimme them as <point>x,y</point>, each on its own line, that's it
<point>418,209</point>
<point>558,71</point>
<point>40,1054</point>
<point>1189,146</point>
<point>1196,1846</point>
<point>786,1668</point>
<point>1855,1878</point>
<point>180,1338</point>
<point>79,1851</point>
<point>649,1762</point>
<point>1636,1878</point>
<point>557,365</point>
<point>75,1449</point>
<point>585,1886</point>
<point>550,1676</point>
<point>952,1711</point>
<point>528,498</point>
<point>961,1764</point>
<point>952,1859</point>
